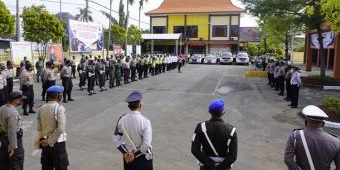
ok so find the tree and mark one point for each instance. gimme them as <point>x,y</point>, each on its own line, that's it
<point>41,27</point>
<point>121,12</point>
<point>107,15</point>
<point>117,35</point>
<point>141,4</point>
<point>307,12</point>
<point>134,35</point>
<point>6,22</point>
<point>331,10</point>
<point>84,15</point>
<point>251,49</point>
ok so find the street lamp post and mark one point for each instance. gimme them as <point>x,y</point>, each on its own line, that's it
<point>109,39</point>
<point>18,21</point>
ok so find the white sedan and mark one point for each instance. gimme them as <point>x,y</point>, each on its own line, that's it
<point>195,58</point>
<point>226,58</point>
<point>210,59</point>
<point>242,58</point>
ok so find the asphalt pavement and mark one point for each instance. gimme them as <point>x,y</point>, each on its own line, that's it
<point>175,103</point>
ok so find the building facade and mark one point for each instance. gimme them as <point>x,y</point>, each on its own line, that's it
<point>206,26</point>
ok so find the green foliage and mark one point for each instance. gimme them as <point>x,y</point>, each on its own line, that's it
<point>331,103</point>
<point>251,49</point>
<point>122,19</point>
<point>331,10</point>
<point>107,15</point>
<point>6,22</point>
<point>134,35</point>
<point>84,15</point>
<point>279,51</point>
<point>117,35</point>
<point>41,27</point>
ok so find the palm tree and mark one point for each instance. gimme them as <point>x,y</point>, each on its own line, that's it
<point>141,4</point>
<point>107,15</point>
<point>127,21</point>
<point>84,15</point>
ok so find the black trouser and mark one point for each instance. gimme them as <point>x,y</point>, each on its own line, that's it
<point>43,86</point>
<point>272,80</point>
<point>38,75</point>
<point>126,75</point>
<point>140,71</point>
<point>146,68</point>
<point>82,79</point>
<point>10,84</point>
<point>27,90</point>
<point>6,93</point>
<point>152,70</point>
<point>295,95</point>
<point>68,85</point>
<point>164,66</point>
<point>133,73</point>
<point>96,78</point>
<point>107,69</point>
<point>73,68</point>
<point>269,79</point>
<point>282,84</point>
<point>102,80</point>
<point>48,84</point>
<point>140,163</point>
<point>118,81</point>
<point>288,89</point>
<point>2,97</point>
<point>276,83</point>
<point>90,83</point>
<point>179,66</point>
<point>112,80</point>
<point>54,158</point>
<point>16,162</point>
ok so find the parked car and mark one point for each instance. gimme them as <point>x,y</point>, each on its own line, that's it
<point>210,59</point>
<point>195,58</point>
<point>226,58</point>
<point>242,58</point>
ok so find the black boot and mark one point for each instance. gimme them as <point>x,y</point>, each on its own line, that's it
<point>32,111</point>
<point>25,112</point>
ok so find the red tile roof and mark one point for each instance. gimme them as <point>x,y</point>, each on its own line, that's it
<point>195,6</point>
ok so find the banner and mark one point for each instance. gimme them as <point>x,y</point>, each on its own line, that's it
<point>129,50</point>
<point>117,50</point>
<point>55,53</point>
<point>85,36</point>
<point>328,40</point>
<point>138,50</point>
<point>19,50</point>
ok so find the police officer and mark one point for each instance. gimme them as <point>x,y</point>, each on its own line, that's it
<point>73,66</point>
<point>126,70</point>
<point>51,122</point>
<point>3,72</point>
<point>82,73</point>
<point>140,68</point>
<point>146,66</point>
<point>118,74</point>
<point>39,65</point>
<point>10,76</point>
<point>49,76</point>
<point>102,75</point>
<point>312,148</point>
<point>112,72</point>
<point>90,70</point>
<point>26,86</point>
<point>2,91</point>
<point>133,66</point>
<point>11,148</point>
<point>65,75</point>
<point>218,139</point>
<point>133,136</point>
<point>295,83</point>
<point>282,73</point>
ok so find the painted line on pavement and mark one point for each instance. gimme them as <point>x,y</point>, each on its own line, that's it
<point>219,83</point>
<point>172,92</point>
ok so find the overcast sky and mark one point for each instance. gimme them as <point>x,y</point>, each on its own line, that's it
<point>73,8</point>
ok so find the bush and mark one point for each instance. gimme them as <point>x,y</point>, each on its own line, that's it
<point>331,103</point>
<point>318,80</point>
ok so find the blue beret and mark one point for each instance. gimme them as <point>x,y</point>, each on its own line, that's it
<point>217,105</point>
<point>133,97</point>
<point>55,89</point>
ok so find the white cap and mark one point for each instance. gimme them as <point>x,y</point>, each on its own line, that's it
<point>314,111</point>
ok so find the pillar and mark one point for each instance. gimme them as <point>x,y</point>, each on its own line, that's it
<point>308,53</point>
<point>336,68</point>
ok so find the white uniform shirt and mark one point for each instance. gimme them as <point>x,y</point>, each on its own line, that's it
<point>138,128</point>
<point>295,80</point>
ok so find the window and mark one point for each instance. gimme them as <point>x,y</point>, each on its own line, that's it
<point>179,29</point>
<point>159,29</point>
<point>192,31</point>
<point>220,31</point>
<point>234,31</point>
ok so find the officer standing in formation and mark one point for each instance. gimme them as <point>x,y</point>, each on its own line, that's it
<point>81,68</point>
<point>217,138</point>
<point>39,65</point>
<point>2,91</point>
<point>133,136</point>
<point>10,76</point>
<point>51,123</point>
<point>3,72</point>
<point>26,86</point>
<point>91,71</point>
<point>49,76</point>
<point>11,147</point>
<point>312,148</point>
<point>73,66</point>
<point>126,70</point>
<point>295,83</point>
<point>66,77</point>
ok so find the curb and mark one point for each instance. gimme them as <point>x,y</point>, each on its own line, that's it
<point>331,87</point>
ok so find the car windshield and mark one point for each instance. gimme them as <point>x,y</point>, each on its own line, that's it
<point>226,55</point>
<point>242,55</point>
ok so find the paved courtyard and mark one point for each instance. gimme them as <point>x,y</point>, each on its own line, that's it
<point>175,103</point>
